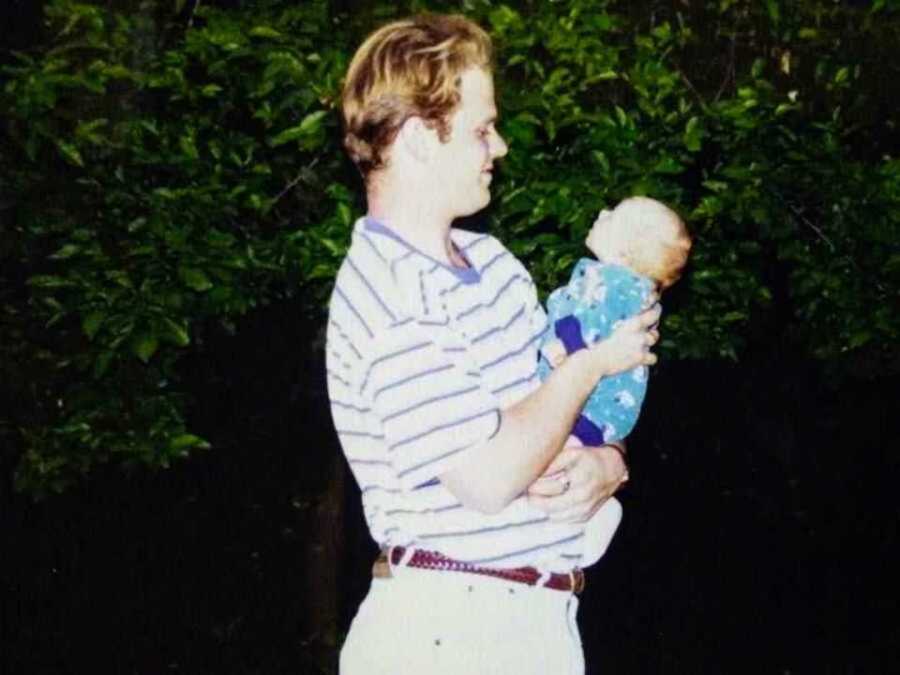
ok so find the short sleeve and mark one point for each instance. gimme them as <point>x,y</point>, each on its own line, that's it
<point>429,401</point>
<point>537,317</point>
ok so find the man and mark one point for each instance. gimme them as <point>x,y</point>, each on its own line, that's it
<point>432,353</point>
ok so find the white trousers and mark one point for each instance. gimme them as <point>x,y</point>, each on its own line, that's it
<point>425,622</point>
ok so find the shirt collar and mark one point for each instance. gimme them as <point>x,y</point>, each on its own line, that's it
<point>397,251</point>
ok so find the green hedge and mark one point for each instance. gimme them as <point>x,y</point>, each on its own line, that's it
<point>168,167</point>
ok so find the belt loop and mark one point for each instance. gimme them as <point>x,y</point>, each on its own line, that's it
<point>407,556</point>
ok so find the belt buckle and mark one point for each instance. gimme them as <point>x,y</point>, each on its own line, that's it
<point>381,568</point>
<point>577,578</point>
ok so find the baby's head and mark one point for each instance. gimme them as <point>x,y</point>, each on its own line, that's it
<point>644,235</point>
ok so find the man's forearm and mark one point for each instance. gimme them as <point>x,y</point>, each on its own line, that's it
<point>531,434</point>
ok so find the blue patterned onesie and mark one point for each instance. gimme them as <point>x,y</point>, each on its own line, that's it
<point>584,312</point>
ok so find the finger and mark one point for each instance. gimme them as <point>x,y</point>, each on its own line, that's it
<point>579,510</point>
<point>548,487</point>
<point>577,474</point>
<point>649,317</point>
<point>649,359</point>
<point>557,503</point>
<point>565,459</point>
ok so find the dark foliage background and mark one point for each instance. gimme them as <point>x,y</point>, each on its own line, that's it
<point>174,202</point>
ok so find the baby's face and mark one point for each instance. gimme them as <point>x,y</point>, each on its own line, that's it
<point>595,236</point>
<point>657,248</point>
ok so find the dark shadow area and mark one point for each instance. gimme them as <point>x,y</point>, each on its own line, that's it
<point>760,531</point>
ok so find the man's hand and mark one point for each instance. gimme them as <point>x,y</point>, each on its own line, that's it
<point>577,482</point>
<point>629,344</point>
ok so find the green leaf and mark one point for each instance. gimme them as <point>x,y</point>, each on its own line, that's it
<point>176,333</point>
<point>144,346</point>
<point>70,153</point>
<point>859,338</point>
<point>86,130</point>
<point>504,18</point>
<point>310,125</point>
<point>693,134</point>
<point>66,252</point>
<point>265,32</point>
<point>49,281</point>
<point>195,279</point>
<point>187,442</point>
<point>344,214</point>
<point>188,145</point>
<point>601,159</point>
<point>102,363</point>
<point>91,323</point>
<point>731,317</point>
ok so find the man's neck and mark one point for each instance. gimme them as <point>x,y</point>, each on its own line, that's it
<point>418,222</point>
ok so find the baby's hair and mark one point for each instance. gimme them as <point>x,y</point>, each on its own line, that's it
<point>655,239</point>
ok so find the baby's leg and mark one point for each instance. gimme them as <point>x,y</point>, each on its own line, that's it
<point>599,530</point>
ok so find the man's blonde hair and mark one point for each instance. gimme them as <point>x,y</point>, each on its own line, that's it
<point>408,68</point>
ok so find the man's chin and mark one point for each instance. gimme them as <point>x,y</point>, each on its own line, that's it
<point>485,196</point>
<point>475,207</point>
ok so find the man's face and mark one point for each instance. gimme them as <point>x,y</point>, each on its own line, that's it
<point>462,166</point>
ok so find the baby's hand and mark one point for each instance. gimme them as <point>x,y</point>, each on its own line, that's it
<point>555,352</point>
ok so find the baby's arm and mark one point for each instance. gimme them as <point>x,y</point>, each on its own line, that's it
<point>564,307</point>
<point>568,340</point>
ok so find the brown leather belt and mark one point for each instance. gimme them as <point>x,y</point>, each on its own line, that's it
<point>432,560</point>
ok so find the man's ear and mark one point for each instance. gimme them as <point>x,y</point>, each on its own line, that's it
<point>416,139</point>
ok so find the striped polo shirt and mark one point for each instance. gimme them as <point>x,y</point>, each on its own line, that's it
<point>421,359</point>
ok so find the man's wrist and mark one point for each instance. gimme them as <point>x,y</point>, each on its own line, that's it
<point>587,367</point>
<point>619,447</point>
<point>595,360</point>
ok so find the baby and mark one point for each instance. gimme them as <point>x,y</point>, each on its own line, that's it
<point>641,248</point>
